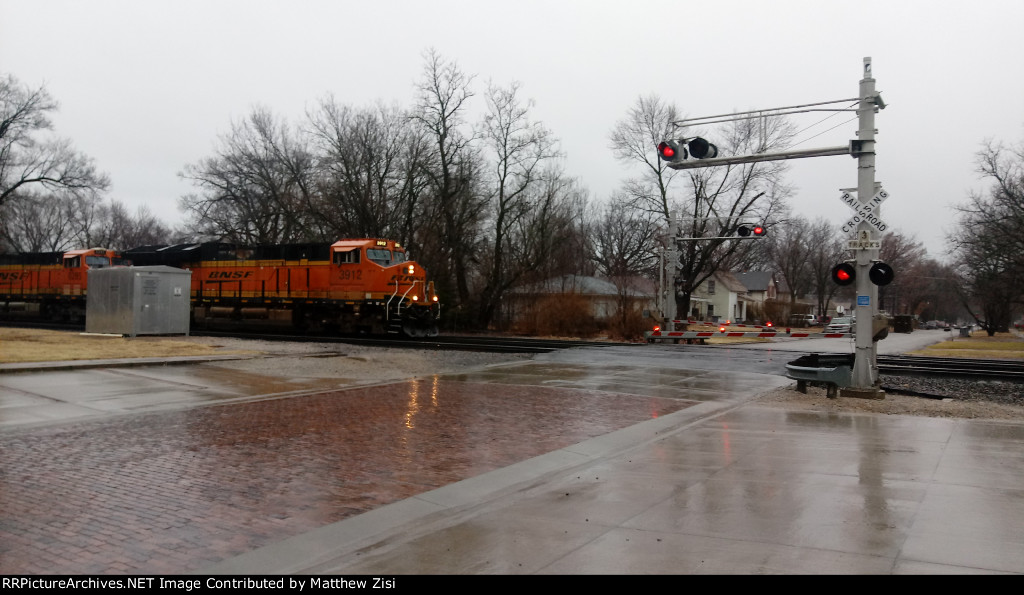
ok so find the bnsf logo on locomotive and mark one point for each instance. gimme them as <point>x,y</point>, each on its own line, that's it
<point>229,275</point>
<point>5,276</point>
<point>408,278</point>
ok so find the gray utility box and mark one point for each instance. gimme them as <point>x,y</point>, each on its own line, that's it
<point>133,301</point>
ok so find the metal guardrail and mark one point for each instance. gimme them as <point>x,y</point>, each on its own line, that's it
<point>835,371</point>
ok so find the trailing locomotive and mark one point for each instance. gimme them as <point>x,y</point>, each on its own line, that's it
<point>51,285</point>
<point>350,286</point>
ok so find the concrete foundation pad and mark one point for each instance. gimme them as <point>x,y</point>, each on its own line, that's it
<point>862,393</point>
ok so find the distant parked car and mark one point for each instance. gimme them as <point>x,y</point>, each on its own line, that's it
<point>843,324</point>
<point>802,320</point>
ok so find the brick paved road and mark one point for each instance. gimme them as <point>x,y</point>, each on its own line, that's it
<point>173,492</point>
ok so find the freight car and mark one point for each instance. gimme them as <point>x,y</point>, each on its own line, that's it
<point>351,286</point>
<point>51,285</point>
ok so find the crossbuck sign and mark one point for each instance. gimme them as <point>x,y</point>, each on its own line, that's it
<point>864,211</point>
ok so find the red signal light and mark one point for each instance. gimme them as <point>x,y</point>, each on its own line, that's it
<point>721,329</point>
<point>670,150</point>
<point>769,323</point>
<point>746,230</point>
<point>844,273</point>
<point>657,328</point>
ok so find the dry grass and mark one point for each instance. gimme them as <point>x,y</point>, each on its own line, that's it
<point>978,345</point>
<point>30,345</point>
<point>735,340</point>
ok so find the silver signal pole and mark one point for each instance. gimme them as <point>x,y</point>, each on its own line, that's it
<point>867,220</point>
<point>670,275</point>
<point>865,367</point>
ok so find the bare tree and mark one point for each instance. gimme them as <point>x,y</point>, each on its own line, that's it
<point>923,287</point>
<point>790,248</point>
<point>115,227</point>
<point>30,159</point>
<point>456,203</point>
<point>55,223</point>
<point>904,254</point>
<point>827,250</point>
<point>38,222</point>
<point>521,198</point>
<point>633,140</point>
<point>988,246</point>
<point>255,188</point>
<point>623,240</point>
<point>370,175</point>
<point>711,203</point>
<point>930,290</point>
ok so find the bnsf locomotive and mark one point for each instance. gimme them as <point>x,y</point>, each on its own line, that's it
<point>51,285</point>
<point>352,285</point>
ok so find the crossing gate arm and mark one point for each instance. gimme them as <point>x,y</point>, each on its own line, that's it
<point>676,335</point>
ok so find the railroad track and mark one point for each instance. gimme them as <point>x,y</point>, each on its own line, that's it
<point>899,365</point>
<point>977,369</point>
<point>451,342</point>
<point>446,342</point>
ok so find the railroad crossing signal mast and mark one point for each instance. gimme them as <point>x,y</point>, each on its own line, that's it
<point>865,363</point>
<point>866,222</point>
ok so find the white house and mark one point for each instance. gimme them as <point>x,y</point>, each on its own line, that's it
<point>721,297</point>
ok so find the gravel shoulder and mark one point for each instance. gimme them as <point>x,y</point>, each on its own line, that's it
<point>968,400</point>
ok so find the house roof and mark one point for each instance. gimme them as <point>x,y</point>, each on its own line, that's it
<point>731,282</point>
<point>755,280</point>
<point>584,286</point>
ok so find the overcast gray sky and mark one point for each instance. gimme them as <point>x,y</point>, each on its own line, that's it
<point>146,87</point>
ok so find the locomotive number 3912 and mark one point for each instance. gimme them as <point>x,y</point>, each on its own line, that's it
<point>356,275</point>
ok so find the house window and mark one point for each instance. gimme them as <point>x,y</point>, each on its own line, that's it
<point>711,287</point>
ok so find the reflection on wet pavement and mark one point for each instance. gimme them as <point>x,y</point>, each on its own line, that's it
<point>176,490</point>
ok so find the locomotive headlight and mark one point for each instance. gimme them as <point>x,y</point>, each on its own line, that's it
<point>412,269</point>
<point>435,298</point>
<point>415,298</point>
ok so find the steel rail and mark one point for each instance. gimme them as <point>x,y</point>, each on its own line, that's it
<point>997,370</point>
